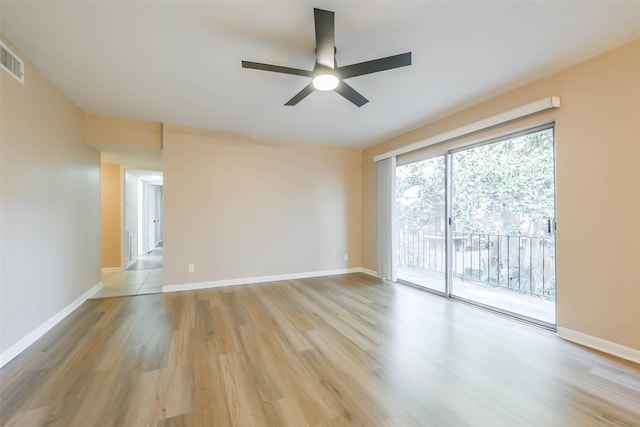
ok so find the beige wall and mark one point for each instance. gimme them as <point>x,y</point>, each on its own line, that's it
<point>598,189</point>
<point>105,130</point>
<point>111,205</point>
<point>238,206</point>
<point>50,211</point>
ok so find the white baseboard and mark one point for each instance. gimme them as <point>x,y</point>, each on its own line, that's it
<point>605,346</point>
<point>111,270</point>
<point>259,279</point>
<point>369,272</point>
<point>34,335</point>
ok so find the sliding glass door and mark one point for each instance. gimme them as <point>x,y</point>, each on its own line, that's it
<point>420,219</point>
<point>503,199</point>
<point>499,248</point>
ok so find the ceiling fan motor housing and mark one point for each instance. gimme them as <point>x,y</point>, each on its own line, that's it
<point>326,75</point>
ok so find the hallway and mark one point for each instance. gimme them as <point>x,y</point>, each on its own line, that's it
<point>154,259</point>
<point>145,276</point>
<point>130,282</point>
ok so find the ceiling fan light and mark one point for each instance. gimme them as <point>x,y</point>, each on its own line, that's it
<point>325,82</point>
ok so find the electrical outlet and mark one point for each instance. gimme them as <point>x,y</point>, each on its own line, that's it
<point>346,257</point>
<point>191,268</point>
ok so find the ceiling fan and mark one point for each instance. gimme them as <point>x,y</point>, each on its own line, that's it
<point>326,74</point>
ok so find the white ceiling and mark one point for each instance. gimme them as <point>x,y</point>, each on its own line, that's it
<point>179,61</point>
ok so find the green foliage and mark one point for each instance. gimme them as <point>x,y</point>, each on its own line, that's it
<point>420,195</point>
<point>502,188</point>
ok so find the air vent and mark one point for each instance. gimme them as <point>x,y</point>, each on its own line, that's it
<point>11,63</point>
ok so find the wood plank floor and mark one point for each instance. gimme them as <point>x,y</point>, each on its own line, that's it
<point>337,351</point>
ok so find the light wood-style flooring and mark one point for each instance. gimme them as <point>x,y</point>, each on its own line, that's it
<point>337,351</point>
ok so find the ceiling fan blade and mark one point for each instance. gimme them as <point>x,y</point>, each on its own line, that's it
<point>351,94</point>
<point>276,68</point>
<point>301,95</point>
<point>325,37</point>
<point>374,66</point>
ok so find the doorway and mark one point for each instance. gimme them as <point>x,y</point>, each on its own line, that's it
<point>142,244</point>
<point>497,249</point>
<point>144,217</point>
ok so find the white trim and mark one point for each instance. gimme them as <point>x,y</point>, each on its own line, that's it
<point>111,270</point>
<point>369,272</point>
<point>609,347</point>
<point>34,335</point>
<point>258,279</point>
<point>525,110</point>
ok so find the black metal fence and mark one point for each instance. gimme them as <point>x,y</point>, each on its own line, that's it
<point>521,263</point>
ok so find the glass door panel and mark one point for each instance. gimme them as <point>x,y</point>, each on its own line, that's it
<point>420,221</point>
<point>502,231</point>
